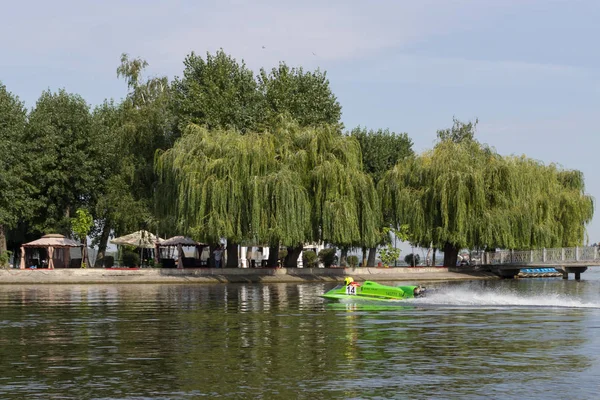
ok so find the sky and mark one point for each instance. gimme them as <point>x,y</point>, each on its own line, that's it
<point>527,69</point>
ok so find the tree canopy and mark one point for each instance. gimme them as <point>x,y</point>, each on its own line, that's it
<point>289,186</point>
<point>129,134</point>
<point>16,200</point>
<point>220,92</point>
<point>217,92</point>
<point>64,158</point>
<point>463,194</point>
<point>223,153</point>
<point>382,149</point>
<point>305,96</point>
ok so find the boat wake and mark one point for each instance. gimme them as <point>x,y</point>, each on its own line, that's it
<point>498,299</point>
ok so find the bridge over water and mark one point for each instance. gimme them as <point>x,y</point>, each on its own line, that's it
<point>508,263</point>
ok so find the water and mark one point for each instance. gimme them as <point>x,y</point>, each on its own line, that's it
<point>535,338</point>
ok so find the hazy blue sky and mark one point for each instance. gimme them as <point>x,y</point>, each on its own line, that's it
<point>528,69</point>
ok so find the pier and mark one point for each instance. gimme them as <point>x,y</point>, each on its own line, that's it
<point>567,260</point>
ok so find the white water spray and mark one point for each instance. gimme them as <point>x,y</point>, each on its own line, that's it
<point>468,297</point>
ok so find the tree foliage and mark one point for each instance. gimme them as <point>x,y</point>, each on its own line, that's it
<point>303,95</point>
<point>132,132</point>
<point>15,187</point>
<point>287,186</point>
<point>16,190</point>
<point>64,158</point>
<point>309,258</point>
<point>388,253</point>
<point>222,153</point>
<point>459,132</point>
<point>464,194</point>
<point>327,256</point>
<point>82,224</point>
<point>217,92</point>
<point>220,92</point>
<point>382,149</point>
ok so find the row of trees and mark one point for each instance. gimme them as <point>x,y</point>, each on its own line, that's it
<point>223,153</point>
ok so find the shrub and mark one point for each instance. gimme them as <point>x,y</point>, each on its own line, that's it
<point>327,257</point>
<point>309,258</point>
<point>282,254</point>
<point>5,258</point>
<point>389,254</point>
<point>352,261</point>
<point>412,259</point>
<point>131,259</point>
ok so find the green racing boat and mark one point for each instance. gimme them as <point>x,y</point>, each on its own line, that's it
<point>374,291</point>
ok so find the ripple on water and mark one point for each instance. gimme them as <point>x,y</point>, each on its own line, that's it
<point>500,340</point>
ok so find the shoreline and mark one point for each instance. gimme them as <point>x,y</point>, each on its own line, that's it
<point>235,275</point>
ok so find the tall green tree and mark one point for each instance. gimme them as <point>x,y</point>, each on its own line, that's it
<point>64,158</point>
<point>217,92</point>
<point>16,191</point>
<point>147,125</point>
<point>130,133</point>
<point>381,150</point>
<point>118,207</point>
<point>463,194</point>
<point>305,96</point>
<point>220,92</point>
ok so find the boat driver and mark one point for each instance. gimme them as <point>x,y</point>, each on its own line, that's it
<point>348,281</point>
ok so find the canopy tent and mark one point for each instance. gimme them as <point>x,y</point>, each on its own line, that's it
<point>180,242</point>
<point>52,242</point>
<point>141,239</point>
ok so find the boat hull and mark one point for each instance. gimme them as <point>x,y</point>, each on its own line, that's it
<point>372,291</point>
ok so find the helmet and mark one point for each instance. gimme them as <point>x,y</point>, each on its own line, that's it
<point>348,280</point>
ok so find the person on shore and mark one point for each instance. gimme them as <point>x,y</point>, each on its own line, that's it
<point>218,255</point>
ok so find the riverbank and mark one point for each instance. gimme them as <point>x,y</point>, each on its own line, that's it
<point>234,275</point>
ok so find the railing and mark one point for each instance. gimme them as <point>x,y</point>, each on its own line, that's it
<point>566,255</point>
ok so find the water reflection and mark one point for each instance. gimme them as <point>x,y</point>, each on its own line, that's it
<point>283,341</point>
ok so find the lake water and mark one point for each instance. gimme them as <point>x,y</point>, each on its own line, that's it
<point>530,338</point>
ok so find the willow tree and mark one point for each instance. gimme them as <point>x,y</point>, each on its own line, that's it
<point>381,150</point>
<point>283,187</point>
<point>463,194</point>
<point>345,206</point>
<point>220,184</point>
